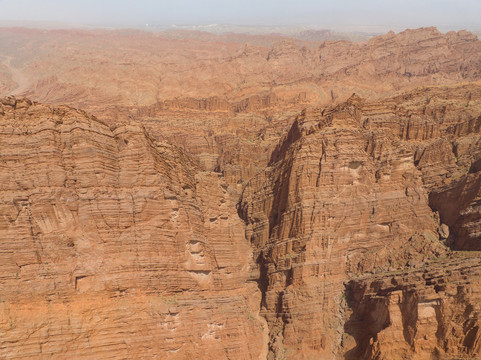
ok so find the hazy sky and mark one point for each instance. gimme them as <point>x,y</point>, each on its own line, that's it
<point>404,13</point>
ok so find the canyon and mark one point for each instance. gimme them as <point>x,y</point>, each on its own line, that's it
<point>180,195</point>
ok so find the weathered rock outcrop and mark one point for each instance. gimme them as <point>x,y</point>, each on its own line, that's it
<point>253,104</point>
<point>115,246</point>
<point>430,313</point>
<point>347,193</point>
<point>102,71</point>
<point>458,205</point>
<point>201,90</point>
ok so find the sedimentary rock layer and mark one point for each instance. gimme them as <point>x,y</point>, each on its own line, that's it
<point>115,246</point>
<point>428,313</point>
<point>105,72</point>
<point>226,99</point>
<point>347,193</point>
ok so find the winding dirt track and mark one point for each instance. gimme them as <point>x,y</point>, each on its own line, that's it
<point>17,76</point>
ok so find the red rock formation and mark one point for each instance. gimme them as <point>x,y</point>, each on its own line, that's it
<point>347,193</point>
<point>458,204</point>
<point>114,246</point>
<point>209,87</point>
<point>95,70</point>
<point>431,313</point>
<point>117,244</point>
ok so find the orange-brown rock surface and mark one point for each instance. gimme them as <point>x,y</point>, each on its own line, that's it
<point>428,313</point>
<point>210,88</point>
<point>101,70</point>
<point>236,201</point>
<point>347,193</point>
<point>114,246</point>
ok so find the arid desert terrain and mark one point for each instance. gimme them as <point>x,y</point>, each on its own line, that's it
<point>189,195</point>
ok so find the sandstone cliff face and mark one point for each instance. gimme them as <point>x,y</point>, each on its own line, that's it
<point>347,193</point>
<point>458,204</point>
<point>115,246</point>
<point>431,313</point>
<point>232,138</point>
<point>118,246</point>
<point>220,97</point>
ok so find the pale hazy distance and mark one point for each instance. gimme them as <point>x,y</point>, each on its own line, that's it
<point>448,14</point>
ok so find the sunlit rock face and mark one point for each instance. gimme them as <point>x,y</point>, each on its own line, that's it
<point>114,246</point>
<point>226,99</point>
<point>347,193</point>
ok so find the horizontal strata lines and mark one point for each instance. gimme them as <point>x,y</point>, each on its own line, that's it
<point>115,251</point>
<point>365,214</point>
<point>102,188</point>
<point>52,127</point>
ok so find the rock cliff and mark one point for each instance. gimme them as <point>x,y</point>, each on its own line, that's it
<point>115,246</point>
<point>347,193</point>
<point>427,313</point>
<point>226,99</point>
<point>104,71</point>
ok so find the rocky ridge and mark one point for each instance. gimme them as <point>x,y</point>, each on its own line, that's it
<point>98,70</point>
<point>347,193</point>
<point>234,98</point>
<point>116,246</point>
